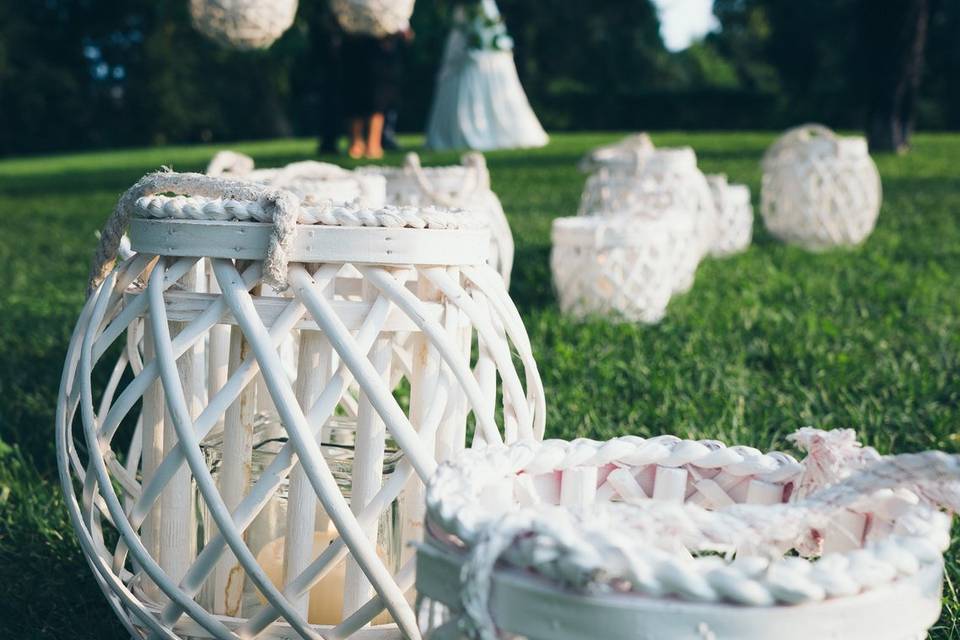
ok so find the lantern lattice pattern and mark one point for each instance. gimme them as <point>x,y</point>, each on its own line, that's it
<point>465,186</point>
<point>243,24</point>
<point>671,538</point>
<point>820,190</point>
<point>311,180</point>
<point>628,154</point>
<point>373,17</point>
<point>734,225</point>
<point>622,265</point>
<point>397,316</point>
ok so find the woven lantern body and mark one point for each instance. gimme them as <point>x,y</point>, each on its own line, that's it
<point>243,24</point>
<point>620,265</point>
<point>820,190</point>
<point>260,500</point>
<point>668,183</point>
<point>466,186</point>
<point>734,222</point>
<point>373,17</point>
<point>681,539</point>
<point>313,181</point>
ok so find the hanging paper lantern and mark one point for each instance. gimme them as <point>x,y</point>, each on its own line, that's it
<point>243,24</point>
<point>373,17</point>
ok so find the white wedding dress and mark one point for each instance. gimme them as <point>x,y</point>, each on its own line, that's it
<point>479,102</point>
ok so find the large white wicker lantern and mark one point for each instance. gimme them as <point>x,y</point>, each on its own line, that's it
<point>258,502</point>
<point>311,180</point>
<point>620,265</point>
<point>820,190</point>
<point>465,186</point>
<point>243,24</point>
<point>689,540</point>
<point>734,221</point>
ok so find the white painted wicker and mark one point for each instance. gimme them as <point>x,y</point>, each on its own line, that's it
<point>819,190</point>
<point>687,540</point>
<point>667,184</point>
<point>378,297</point>
<point>734,225</point>
<point>466,186</point>
<point>373,17</point>
<point>243,24</point>
<point>628,154</point>
<point>620,265</point>
<point>311,180</point>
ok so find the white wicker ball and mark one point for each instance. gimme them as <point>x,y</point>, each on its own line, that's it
<point>243,24</point>
<point>620,265</point>
<point>465,186</point>
<point>373,17</point>
<point>734,222</point>
<point>820,190</point>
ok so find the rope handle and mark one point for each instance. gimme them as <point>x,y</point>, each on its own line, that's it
<point>800,134</point>
<point>479,177</point>
<point>285,206</point>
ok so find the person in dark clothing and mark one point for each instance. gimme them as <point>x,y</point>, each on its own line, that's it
<point>373,71</point>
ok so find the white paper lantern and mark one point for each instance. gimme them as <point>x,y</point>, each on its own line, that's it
<point>668,184</point>
<point>465,186</point>
<point>687,540</point>
<point>229,451</point>
<point>243,24</point>
<point>313,181</point>
<point>734,222</point>
<point>820,190</point>
<point>373,17</point>
<point>628,154</point>
<point>621,265</point>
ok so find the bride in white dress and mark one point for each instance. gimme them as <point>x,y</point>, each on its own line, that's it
<point>479,102</point>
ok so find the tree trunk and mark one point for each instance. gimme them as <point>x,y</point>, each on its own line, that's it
<point>896,35</point>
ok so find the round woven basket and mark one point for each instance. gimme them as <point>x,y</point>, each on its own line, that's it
<point>691,540</point>
<point>820,190</point>
<point>734,221</point>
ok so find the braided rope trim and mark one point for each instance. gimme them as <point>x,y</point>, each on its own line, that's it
<point>164,207</point>
<point>640,546</point>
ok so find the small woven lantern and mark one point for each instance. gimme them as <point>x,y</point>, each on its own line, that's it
<point>628,154</point>
<point>465,186</point>
<point>667,184</point>
<point>243,24</point>
<point>313,181</point>
<point>621,265</point>
<point>734,222</point>
<point>257,501</point>
<point>373,17</point>
<point>820,190</point>
<point>688,540</point>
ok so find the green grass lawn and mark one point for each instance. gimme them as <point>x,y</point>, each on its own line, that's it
<point>764,343</point>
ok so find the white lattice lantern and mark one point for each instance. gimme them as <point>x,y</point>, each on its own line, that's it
<point>819,189</point>
<point>620,265</point>
<point>667,184</point>
<point>373,17</point>
<point>734,222</point>
<point>257,502</point>
<point>311,180</point>
<point>687,540</point>
<point>243,24</point>
<point>466,186</point>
